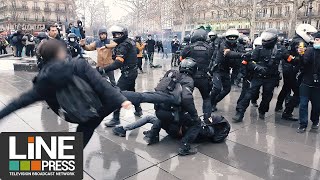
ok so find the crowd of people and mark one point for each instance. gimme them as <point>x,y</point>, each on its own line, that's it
<point>207,62</point>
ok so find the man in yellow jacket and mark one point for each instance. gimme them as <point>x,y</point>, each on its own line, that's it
<point>104,48</point>
<point>140,46</point>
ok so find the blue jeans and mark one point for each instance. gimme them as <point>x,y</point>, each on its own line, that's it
<point>145,120</point>
<point>307,94</point>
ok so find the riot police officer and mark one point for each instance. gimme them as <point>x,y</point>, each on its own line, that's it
<point>125,58</point>
<point>265,63</point>
<point>201,51</point>
<point>291,69</point>
<point>73,46</point>
<point>186,42</point>
<point>228,56</point>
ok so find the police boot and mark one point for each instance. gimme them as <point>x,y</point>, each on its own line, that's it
<point>288,117</point>
<point>254,104</point>
<point>278,108</point>
<point>119,131</point>
<point>214,108</point>
<point>185,149</point>
<point>238,117</point>
<point>151,137</point>
<point>138,113</point>
<point>113,122</point>
<point>262,115</point>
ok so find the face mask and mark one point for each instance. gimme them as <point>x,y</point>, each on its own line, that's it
<point>149,38</point>
<point>316,46</point>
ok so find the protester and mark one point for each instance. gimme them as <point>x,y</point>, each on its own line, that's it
<point>56,75</point>
<point>150,45</point>
<point>3,45</point>
<point>104,48</point>
<point>30,44</point>
<point>140,46</point>
<point>310,86</point>
<point>17,42</point>
<point>175,44</point>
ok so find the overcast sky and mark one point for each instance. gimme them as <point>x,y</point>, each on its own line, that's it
<point>115,11</point>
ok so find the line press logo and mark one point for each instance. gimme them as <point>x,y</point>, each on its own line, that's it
<point>39,155</point>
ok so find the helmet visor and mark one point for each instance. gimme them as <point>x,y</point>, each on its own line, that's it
<point>72,39</point>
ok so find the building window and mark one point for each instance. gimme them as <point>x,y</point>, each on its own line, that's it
<point>279,11</point>
<point>35,4</point>
<point>270,24</point>
<point>278,25</point>
<point>318,24</point>
<point>212,14</point>
<point>285,26</point>
<point>46,5</point>
<point>287,10</point>
<point>271,11</point>
<point>265,11</point>
<point>204,15</point>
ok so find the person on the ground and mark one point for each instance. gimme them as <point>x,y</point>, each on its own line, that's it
<point>184,114</point>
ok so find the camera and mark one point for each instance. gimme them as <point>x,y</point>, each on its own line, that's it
<point>315,78</point>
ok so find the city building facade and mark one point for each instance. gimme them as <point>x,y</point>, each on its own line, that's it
<point>34,14</point>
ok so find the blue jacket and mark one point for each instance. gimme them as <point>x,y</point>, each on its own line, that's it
<point>76,30</point>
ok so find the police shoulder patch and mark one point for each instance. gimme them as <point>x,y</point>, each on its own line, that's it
<point>200,48</point>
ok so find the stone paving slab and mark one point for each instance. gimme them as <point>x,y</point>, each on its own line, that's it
<point>255,149</point>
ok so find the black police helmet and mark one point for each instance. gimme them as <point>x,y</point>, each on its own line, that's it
<point>72,37</point>
<point>188,66</point>
<point>269,38</point>
<point>198,35</point>
<point>221,129</point>
<point>42,35</point>
<point>119,30</point>
<point>102,30</point>
<point>187,38</point>
<point>138,38</point>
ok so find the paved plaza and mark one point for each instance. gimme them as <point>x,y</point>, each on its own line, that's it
<point>255,149</point>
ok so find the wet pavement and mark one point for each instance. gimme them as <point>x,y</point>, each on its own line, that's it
<point>255,149</point>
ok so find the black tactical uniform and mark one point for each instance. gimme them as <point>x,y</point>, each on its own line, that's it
<point>73,46</point>
<point>222,66</point>
<point>265,63</point>
<point>201,51</point>
<point>291,81</point>
<point>125,56</point>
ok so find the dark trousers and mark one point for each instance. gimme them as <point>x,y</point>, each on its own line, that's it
<point>309,94</point>
<point>245,88</point>
<point>127,82</point>
<point>175,59</point>
<point>88,129</point>
<point>110,75</point>
<point>289,84</point>
<point>3,50</point>
<point>189,135</point>
<point>150,57</point>
<point>221,87</point>
<point>30,50</point>
<point>19,50</point>
<point>140,63</point>
<point>202,82</point>
<point>268,86</point>
<point>137,98</point>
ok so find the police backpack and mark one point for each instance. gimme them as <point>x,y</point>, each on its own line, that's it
<point>78,102</point>
<point>169,81</point>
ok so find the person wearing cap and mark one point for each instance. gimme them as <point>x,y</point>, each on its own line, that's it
<point>104,48</point>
